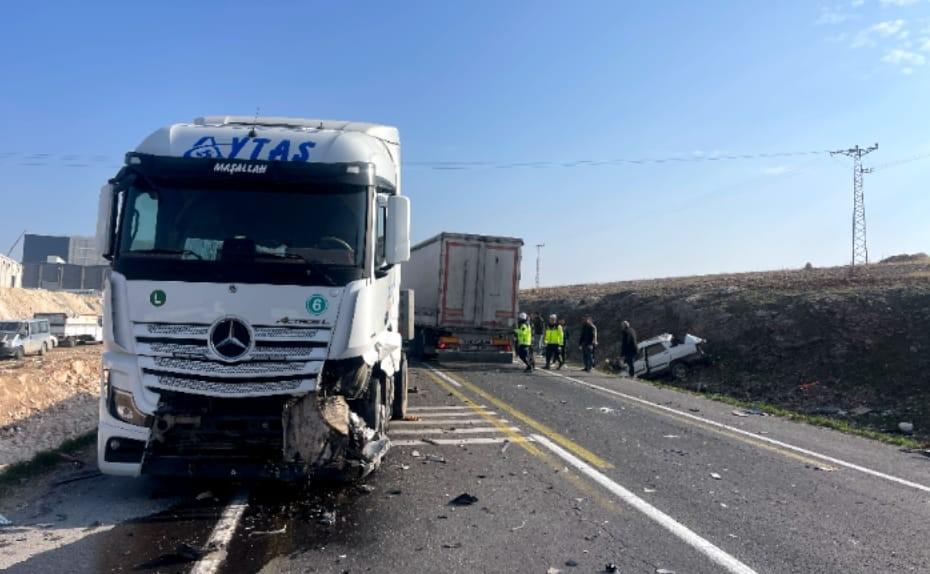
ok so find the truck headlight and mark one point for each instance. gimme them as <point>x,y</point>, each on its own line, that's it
<point>123,407</point>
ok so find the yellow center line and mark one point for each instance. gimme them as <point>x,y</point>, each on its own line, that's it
<point>552,435</point>
<point>529,447</point>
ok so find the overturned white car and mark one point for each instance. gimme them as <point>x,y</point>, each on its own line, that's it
<point>669,355</point>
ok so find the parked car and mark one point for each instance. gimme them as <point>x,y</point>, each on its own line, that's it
<point>27,337</point>
<point>668,355</point>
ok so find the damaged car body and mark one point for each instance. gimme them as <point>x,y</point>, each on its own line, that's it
<point>252,323</point>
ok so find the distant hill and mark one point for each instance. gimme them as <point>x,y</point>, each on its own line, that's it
<point>905,258</point>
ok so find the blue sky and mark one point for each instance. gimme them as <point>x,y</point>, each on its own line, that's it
<point>508,83</point>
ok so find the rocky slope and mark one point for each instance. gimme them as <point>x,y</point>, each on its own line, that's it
<point>818,340</point>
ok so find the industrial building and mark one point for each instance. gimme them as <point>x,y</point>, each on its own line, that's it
<point>62,262</point>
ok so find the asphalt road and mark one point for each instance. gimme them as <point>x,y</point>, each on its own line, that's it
<point>564,471</point>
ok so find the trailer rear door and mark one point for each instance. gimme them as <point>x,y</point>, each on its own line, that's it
<point>460,282</point>
<point>500,285</point>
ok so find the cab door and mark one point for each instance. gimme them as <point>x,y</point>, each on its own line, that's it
<point>30,344</point>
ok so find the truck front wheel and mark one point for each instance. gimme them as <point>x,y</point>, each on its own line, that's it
<point>399,406</point>
<point>371,407</point>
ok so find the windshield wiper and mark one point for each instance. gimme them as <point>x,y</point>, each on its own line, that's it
<point>315,266</point>
<point>181,252</point>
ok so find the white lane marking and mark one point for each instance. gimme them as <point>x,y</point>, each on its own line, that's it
<point>401,424</point>
<point>222,533</point>
<point>423,415</point>
<point>474,430</point>
<point>834,460</point>
<point>682,532</point>
<point>442,408</point>
<point>444,376</point>
<point>458,441</point>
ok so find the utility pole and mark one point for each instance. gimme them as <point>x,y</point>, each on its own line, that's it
<point>860,249</point>
<point>539,247</point>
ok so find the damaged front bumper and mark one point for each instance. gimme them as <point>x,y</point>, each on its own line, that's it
<point>279,438</point>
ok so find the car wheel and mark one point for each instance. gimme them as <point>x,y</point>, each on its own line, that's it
<point>680,371</point>
<point>18,354</point>
<point>399,405</point>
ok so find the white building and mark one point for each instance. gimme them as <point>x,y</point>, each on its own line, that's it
<point>11,272</point>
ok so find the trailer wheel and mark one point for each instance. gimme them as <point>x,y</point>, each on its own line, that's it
<point>399,405</point>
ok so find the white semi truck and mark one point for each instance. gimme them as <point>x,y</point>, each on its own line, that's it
<point>251,323</point>
<point>467,289</point>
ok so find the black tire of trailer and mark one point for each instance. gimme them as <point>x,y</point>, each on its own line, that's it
<point>399,404</point>
<point>67,342</point>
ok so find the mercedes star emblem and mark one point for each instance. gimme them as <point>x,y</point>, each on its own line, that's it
<point>231,338</point>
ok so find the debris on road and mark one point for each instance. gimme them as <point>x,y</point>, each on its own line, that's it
<point>515,528</point>
<point>452,546</point>
<point>571,563</point>
<point>694,410</point>
<point>610,567</point>
<point>434,458</point>
<point>365,488</point>
<point>739,413</point>
<point>505,446</point>
<point>671,436</point>
<point>415,453</point>
<point>281,530</point>
<point>463,499</point>
<point>649,490</point>
<point>606,410</point>
<point>715,476</point>
<point>664,571</point>
<point>411,418</point>
<point>553,570</point>
<point>328,518</point>
<point>412,391</point>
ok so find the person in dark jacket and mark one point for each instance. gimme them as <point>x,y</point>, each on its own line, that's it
<point>587,342</point>
<point>628,344</point>
<point>539,327</point>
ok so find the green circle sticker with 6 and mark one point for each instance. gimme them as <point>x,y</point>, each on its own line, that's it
<point>158,298</point>
<point>316,304</point>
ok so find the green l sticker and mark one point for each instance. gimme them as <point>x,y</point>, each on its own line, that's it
<point>158,298</point>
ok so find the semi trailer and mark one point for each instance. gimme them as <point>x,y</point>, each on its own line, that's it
<point>466,302</point>
<point>252,324</point>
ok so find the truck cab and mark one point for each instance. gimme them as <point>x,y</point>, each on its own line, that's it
<point>251,323</point>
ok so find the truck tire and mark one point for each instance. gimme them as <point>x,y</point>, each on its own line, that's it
<point>399,405</point>
<point>680,371</point>
<point>371,407</point>
<point>18,353</point>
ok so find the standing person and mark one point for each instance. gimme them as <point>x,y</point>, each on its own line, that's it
<point>554,340</point>
<point>523,336</point>
<point>628,344</point>
<point>587,342</point>
<point>538,327</point>
<point>564,357</point>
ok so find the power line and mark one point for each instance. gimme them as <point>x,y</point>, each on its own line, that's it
<point>860,249</point>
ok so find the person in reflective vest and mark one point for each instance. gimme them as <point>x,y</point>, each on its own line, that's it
<point>523,336</point>
<point>554,339</point>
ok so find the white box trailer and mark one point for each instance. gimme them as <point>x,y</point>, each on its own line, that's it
<point>73,329</point>
<point>466,295</point>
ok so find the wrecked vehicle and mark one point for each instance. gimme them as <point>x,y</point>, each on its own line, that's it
<point>252,323</point>
<point>669,355</point>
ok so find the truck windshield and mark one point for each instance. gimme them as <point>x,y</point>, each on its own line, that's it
<point>247,235</point>
<point>11,327</point>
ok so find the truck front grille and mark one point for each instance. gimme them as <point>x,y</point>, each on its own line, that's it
<point>176,356</point>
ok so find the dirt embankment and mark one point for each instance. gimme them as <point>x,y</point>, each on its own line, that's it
<point>46,400</point>
<point>23,303</point>
<point>817,340</point>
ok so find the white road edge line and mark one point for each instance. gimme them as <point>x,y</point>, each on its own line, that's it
<point>451,422</point>
<point>439,415</point>
<point>444,376</point>
<point>840,462</point>
<point>222,533</point>
<point>442,408</point>
<point>682,532</point>
<point>458,441</point>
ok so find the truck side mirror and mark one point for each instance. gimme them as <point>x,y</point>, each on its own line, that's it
<point>105,222</point>
<point>397,233</point>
